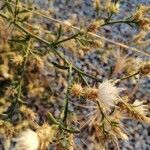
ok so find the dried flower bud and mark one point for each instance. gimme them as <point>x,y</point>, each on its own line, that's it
<point>6,128</point>
<point>76,90</point>
<point>17,59</point>
<point>133,65</point>
<point>140,18</point>
<point>46,135</point>
<point>91,93</point>
<point>145,70</point>
<point>144,23</point>
<point>28,113</point>
<point>137,110</point>
<point>96,44</point>
<point>22,125</point>
<point>35,89</point>
<point>112,7</point>
<point>95,25</point>
<point>71,143</point>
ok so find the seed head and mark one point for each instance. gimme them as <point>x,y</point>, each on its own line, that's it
<point>108,94</point>
<point>76,90</point>
<point>46,135</point>
<point>91,93</point>
<point>145,69</point>
<point>27,140</point>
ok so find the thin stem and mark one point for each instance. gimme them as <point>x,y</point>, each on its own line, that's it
<point>102,113</point>
<point>109,16</point>
<point>118,21</point>
<point>76,68</point>
<point>58,54</point>
<point>103,116</point>
<point>86,74</point>
<point>54,121</point>
<point>132,75</point>
<point>67,39</point>
<point>85,81</point>
<point>66,102</point>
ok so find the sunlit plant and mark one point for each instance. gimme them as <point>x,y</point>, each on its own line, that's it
<point>29,55</point>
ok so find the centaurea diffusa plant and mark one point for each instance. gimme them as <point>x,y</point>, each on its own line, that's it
<point>33,62</point>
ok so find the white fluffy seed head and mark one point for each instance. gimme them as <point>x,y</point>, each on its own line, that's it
<point>108,94</point>
<point>27,140</point>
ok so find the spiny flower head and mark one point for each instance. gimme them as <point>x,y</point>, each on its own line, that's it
<point>107,94</point>
<point>145,69</point>
<point>6,128</point>
<point>141,11</point>
<point>133,65</point>
<point>117,128</point>
<point>96,43</point>
<point>46,135</point>
<point>140,17</point>
<point>4,105</point>
<point>137,110</point>
<point>95,25</point>
<point>28,113</point>
<point>91,93</point>
<point>35,89</point>
<point>17,59</point>
<point>76,90</point>
<point>112,7</point>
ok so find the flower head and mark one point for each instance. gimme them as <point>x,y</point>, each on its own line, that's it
<point>108,94</point>
<point>76,90</point>
<point>95,25</point>
<point>91,93</point>
<point>137,111</point>
<point>145,69</point>
<point>46,135</point>
<point>28,113</point>
<point>27,140</point>
<point>17,59</point>
<point>112,7</point>
<point>140,17</point>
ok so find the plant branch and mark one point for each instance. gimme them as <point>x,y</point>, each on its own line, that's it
<point>118,21</point>
<point>132,75</point>
<point>54,121</point>
<point>52,46</point>
<point>66,102</point>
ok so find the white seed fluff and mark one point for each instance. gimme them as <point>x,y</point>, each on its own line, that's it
<point>27,140</point>
<point>108,94</point>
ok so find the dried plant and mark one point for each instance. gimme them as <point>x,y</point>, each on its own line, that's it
<point>39,80</point>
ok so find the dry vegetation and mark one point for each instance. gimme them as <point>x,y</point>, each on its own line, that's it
<point>44,95</point>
